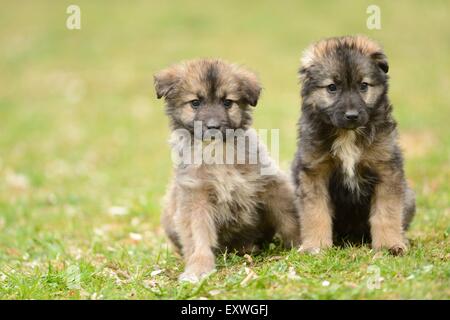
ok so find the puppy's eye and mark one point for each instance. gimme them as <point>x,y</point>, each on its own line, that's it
<point>227,103</point>
<point>363,86</point>
<point>195,103</point>
<point>332,88</point>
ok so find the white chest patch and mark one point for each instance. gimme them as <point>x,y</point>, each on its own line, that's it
<point>345,149</point>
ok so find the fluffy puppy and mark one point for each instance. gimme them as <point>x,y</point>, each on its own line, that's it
<point>348,168</point>
<point>220,205</point>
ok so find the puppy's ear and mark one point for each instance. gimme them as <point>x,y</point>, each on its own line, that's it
<point>165,81</point>
<point>381,61</point>
<point>250,87</point>
<point>307,60</point>
<point>302,74</point>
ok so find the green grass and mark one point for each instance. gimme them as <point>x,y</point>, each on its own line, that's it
<point>81,131</point>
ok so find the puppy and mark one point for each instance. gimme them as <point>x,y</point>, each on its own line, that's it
<point>348,168</point>
<point>222,205</point>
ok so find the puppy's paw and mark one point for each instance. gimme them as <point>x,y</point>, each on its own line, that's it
<point>397,249</point>
<point>195,275</point>
<point>308,249</point>
<point>314,247</point>
<point>188,277</point>
<point>197,267</point>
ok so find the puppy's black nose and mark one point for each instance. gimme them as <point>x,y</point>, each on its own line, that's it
<point>351,115</point>
<point>212,124</point>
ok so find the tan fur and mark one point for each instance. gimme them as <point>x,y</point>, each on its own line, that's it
<point>345,149</point>
<point>190,213</point>
<point>235,115</point>
<point>186,80</point>
<point>319,97</point>
<point>385,220</point>
<point>186,114</point>
<point>319,50</point>
<point>218,207</point>
<point>316,214</point>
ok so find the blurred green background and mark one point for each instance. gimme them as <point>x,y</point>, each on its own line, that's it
<point>81,131</point>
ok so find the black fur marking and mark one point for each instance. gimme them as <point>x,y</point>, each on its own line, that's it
<point>352,209</point>
<point>212,81</point>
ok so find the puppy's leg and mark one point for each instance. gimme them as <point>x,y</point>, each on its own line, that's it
<point>386,225</point>
<point>197,234</point>
<point>315,211</point>
<point>283,214</point>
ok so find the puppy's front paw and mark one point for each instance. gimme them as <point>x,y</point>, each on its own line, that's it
<point>197,271</point>
<point>315,247</point>
<point>188,277</point>
<point>192,277</point>
<point>310,250</point>
<point>397,249</point>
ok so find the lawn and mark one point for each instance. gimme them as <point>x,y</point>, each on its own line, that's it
<point>84,159</point>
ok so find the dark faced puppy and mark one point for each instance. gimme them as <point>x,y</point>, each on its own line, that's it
<point>349,168</point>
<point>217,206</point>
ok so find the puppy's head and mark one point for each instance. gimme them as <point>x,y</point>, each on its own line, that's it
<point>343,80</point>
<point>213,92</point>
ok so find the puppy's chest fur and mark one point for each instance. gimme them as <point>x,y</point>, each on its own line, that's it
<point>347,154</point>
<point>233,191</point>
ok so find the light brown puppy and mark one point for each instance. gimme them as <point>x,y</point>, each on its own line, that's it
<point>223,205</point>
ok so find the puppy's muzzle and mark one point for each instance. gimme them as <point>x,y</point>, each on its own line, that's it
<point>351,115</point>
<point>352,119</point>
<point>212,124</point>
